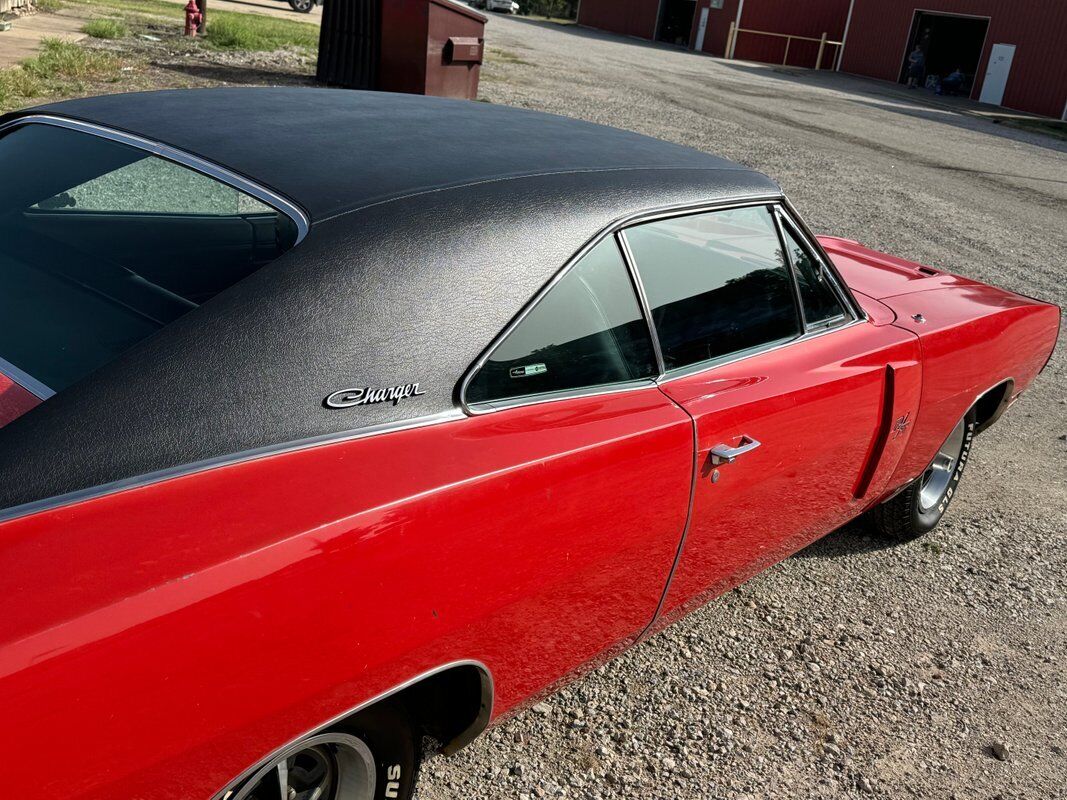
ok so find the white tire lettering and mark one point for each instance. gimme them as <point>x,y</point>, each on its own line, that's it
<point>392,788</point>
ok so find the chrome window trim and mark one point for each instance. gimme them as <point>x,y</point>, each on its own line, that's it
<point>808,239</point>
<point>564,394</point>
<point>25,380</point>
<point>794,281</point>
<point>785,225</point>
<point>619,225</point>
<point>710,364</point>
<point>180,157</point>
<point>481,722</point>
<point>642,298</point>
<point>149,478</point>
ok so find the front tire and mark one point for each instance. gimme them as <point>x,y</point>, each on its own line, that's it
<point>372,756</point>
<point>919,507</point>
<point>302,6</point>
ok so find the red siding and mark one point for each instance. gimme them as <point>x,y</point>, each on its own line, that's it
<point>719,20</point>
<point>811,19</point>
<point>628,17</point>
<point>1037,82</point>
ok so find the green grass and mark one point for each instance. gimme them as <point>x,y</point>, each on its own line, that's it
<point>231,31</point>
<point>50,6</point>
<point>506,56</point>
<point>106,28</point>
<point>58,70</point>
<point>156,7</point>
<point>226,30</point>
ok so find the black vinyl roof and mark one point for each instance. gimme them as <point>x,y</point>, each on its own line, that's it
<point>454,215</point>
<point>333,151</point>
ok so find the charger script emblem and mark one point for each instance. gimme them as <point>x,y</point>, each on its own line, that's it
<point>365,396</point>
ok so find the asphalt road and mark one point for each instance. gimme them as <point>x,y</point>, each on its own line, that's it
<point>852,669</point>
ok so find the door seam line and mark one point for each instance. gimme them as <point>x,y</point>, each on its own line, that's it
<point>688,520</point>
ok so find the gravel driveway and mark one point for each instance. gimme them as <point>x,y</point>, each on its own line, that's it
<point>852,669</point>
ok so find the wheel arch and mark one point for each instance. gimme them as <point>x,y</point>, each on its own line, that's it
<point>992,403</point>
<point>453,703</point>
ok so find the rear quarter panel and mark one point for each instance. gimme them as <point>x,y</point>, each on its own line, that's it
<point>973,338</point>
<point>179,632</point>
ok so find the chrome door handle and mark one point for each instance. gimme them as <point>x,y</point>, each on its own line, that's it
<point>721,454</point>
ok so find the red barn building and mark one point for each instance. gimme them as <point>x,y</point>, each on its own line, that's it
<point>1013,52</point>
<point>704,25</point>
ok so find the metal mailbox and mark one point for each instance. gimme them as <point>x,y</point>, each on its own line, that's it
<point>413,46</point>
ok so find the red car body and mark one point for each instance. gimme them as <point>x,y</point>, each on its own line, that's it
<point>514,562</point>
<point>165,628</point>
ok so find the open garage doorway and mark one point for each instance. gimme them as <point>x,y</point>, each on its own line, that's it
<point>676,21</point>
<point>949,42</point>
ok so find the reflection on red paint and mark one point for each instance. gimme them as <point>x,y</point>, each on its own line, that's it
<point>14,400</point>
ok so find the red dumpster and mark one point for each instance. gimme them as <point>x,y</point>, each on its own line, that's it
<point>414,46</point>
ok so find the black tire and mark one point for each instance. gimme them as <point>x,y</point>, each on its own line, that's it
<point>338,762</point>
<point>302,6</point>
<point>907,515</point>
<point>388,730</point>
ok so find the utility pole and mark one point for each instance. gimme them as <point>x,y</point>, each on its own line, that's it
<point>202,5</point>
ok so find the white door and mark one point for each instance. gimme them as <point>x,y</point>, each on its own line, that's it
<point>702,28</point>
<point>996,74</point>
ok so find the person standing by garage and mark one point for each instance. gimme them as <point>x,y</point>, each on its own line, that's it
<point>916,67</point>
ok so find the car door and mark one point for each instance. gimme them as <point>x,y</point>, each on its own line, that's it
<point>588,467</point>
<point>786,383</point>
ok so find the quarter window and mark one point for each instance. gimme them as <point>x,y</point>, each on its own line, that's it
<point>717,283</point>
<point>822,308</point>
<point>587,331</point>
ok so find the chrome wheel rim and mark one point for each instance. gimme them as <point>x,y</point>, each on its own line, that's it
<point>938,475</point>
<point>330,766</point>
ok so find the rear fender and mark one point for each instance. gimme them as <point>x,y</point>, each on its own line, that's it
<point>973,338</point>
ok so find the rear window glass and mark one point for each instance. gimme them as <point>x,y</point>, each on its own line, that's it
<point>103,244</point>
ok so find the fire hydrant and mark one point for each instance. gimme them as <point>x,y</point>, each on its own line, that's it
<point>193,18</point>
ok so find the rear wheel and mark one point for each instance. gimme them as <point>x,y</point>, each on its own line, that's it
<point>303,6</point>
<point>373,756</point>
<point>918,508</point>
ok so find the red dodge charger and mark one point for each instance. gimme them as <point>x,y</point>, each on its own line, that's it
<point>322,432</point>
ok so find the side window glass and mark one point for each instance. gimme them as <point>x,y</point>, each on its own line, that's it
<point>822,308</point>
<point>717,283</point>
<point>587,331</point>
